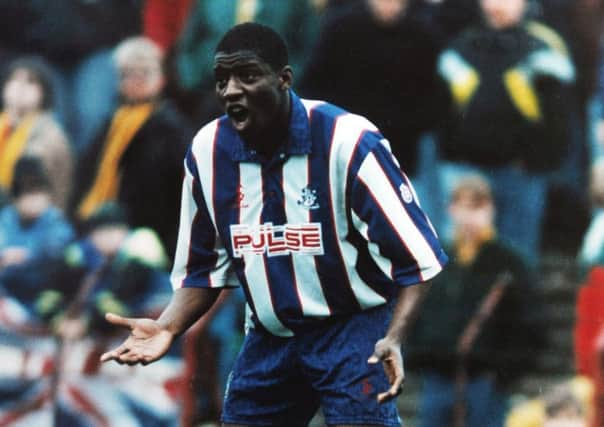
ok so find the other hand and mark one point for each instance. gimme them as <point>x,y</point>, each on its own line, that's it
<point>148,341</point>
<point>389,353</point>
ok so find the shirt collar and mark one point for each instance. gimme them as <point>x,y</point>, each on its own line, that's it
<point>299,142</point>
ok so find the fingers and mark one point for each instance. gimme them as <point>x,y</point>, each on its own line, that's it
<point>377,355</point>
<point>115,354</point>
<point>130,354</point>
<point>393,368</point>
<point>110,355</point>
<point>395,389</point>
<point>119,320</point>
<point>125,355</point>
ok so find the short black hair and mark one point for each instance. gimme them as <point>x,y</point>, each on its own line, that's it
<point>29,176</point>
<point>260,39</point>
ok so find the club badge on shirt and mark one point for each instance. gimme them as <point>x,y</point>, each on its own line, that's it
<point>308,199</point>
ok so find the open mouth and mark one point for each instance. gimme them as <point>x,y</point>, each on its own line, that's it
<point>238,113</point>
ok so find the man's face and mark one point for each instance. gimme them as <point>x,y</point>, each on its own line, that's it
<point>501,14</point>
<point>251,92</point>
<point>140,81</point>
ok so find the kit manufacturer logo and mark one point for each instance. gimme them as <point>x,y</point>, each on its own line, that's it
<point>240,198</point>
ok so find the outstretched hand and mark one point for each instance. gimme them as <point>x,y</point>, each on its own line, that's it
<point>389,353</point>
<point>148,341</point>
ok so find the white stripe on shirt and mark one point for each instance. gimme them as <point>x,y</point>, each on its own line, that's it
<point>221,275</point>
<point>188,210</point>
<point>348,129</point>
<point>308,284</point>
<point>378,183</point>
<point>250,176</point>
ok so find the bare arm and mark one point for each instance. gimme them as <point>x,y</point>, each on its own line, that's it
<point>388,349</point>
<point>150,339</point>
<point>186,306</point>
<point>407,308</point>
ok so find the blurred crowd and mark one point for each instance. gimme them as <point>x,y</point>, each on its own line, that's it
<point>494,108</point>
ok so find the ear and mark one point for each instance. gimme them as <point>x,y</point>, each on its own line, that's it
<point>286,78</point>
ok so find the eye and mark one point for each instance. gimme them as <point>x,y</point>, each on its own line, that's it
<point>221,77</point>
<point>221,82</point>
<point>249,76</point>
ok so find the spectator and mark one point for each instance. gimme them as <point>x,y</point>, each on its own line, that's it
<point>580,23</point>
<point>110,267</point>
<point>507,82</point>
<point>378,59</point>
<point>592,250</point>
<point>589,324</point>
<point>163,21</point>
<point>130,262</point>
<point>589,338</point>
<point>76,38</point>
<point>439,346</point>
<point>137,158</point>
<point>564,409</point>
<point>32,230</point>
<point>566,404</point>
<point>209,20</point>
<point>27,127</point>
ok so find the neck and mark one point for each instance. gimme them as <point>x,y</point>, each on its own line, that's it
<point>476,235</point>
<point>467,244</point>
<point>15,115</point>
<point>268,141</point>
<point>141,101</point>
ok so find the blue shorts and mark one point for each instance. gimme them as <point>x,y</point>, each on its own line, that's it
<point>282,381</point>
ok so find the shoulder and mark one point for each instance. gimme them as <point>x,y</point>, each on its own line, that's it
<point>338,127</point>
<point>546,37</point>
<point>322,113</point>
<point>548,53</point>
<point>458,56</point>
<point>8,214</point>
<point>206,136</point>
<point>166,111</point>
<point>348,140</point>
<point>47,120</point>
<point>207,139</point>
<point>167,122</point>
<point>52,215</point>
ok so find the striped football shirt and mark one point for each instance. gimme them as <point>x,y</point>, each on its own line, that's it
<point>329,226</point>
